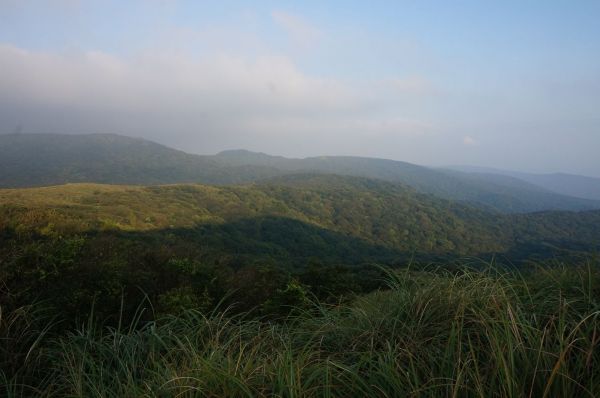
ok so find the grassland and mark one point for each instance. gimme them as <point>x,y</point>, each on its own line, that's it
<point>430,333</point>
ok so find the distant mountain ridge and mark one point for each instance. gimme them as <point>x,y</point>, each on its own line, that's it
<point>49,159</point>
<point>503,193</point>
<point>563,183</point>
<point>28,160</point>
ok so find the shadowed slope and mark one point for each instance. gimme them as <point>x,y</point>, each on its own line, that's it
<point>376,212</point>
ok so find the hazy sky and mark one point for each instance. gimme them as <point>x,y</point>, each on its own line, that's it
<point>508,84</point>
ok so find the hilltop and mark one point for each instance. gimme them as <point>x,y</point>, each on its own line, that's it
<point>29,160</point>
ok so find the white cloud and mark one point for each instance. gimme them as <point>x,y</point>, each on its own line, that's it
<point>215,101</point>
<point>101,79</point>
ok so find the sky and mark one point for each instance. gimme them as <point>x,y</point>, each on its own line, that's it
<point>503,84</point>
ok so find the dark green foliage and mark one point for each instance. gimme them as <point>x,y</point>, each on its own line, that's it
<point>431,333</point>
<point>112,273</point>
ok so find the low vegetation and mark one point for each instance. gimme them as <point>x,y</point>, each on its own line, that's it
<point>294,287</point>
<point>428,332</point>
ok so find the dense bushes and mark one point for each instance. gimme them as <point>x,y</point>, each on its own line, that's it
<point>112,273</point>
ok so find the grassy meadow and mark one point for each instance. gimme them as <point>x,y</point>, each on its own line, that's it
<point>428,333</point>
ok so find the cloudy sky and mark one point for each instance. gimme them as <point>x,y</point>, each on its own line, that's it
<point>507,84</point>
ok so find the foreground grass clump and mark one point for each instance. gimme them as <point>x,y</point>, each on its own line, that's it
<point>433,333</point>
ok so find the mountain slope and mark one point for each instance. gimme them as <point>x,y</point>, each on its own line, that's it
<point>290,216</point>
<point>566,184</point>
<point>49,159</point>
<point>500,193</point>
<point>562,183</point>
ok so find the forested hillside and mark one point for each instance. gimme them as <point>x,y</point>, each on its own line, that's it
<point>29,160</point>
<point>502,193</point>
<point>376,212</point>
<point>49,159</point>
<point>125,290</point>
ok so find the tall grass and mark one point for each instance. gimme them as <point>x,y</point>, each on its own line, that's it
<point>23,333</point>
<point>433,333</point>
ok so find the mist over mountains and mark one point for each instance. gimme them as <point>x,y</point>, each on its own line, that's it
<point>563,183</point>
<point>29,160</point>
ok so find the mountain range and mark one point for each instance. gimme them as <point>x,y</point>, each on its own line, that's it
<point>30,160</point>
<point>563,183</point>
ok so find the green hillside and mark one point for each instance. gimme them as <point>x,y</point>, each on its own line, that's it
<point>376,212</point>
<point>501,193</point>
<point>49,159</point>
<point>116,290</point>
<point>29,160</point>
